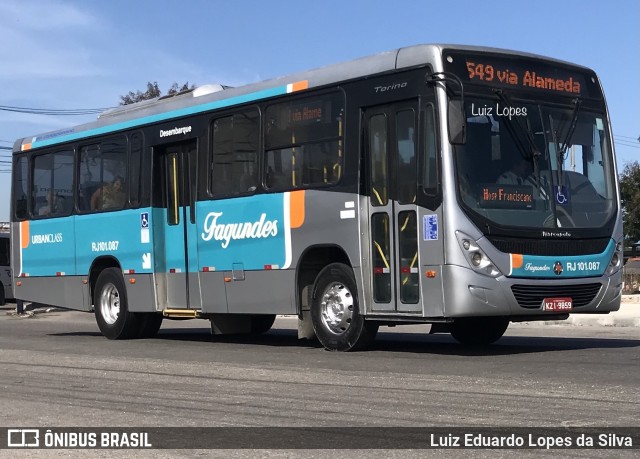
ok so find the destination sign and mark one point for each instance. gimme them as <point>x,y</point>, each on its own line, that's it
<point>521,73</point>
<point>506,196</point>
<point>310,112</point>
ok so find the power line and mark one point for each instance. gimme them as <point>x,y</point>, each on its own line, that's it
<point>625,144</point>
<point>636,139</point>
<point>626,139</point>
<point>53,111</point>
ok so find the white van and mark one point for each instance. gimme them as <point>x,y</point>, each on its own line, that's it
<point>6,282</point>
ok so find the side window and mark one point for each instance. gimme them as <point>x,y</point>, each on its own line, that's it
<point>430,170</point>
<point>102,175</point>
<point>52,184</point>
<point>135,168</point>
<point>5,251</point>
<point>234,154</point>
<point>303,142</point>
<point>20,188</point>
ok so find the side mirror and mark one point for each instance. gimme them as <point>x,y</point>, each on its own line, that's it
<point>457,122</point>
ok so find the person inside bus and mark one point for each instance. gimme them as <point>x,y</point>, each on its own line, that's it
<point>518,173</point>
<point>521,173</point>
<point>109,196</point>
<point>50,207</point>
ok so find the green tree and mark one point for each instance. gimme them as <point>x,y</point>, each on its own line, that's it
<point>630,196</point>
<point>153,91</point>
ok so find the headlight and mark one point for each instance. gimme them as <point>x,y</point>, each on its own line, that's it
<point>616,260</point>
<point>478,260</point>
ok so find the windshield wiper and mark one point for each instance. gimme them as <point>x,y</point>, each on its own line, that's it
<point>561,151</point>
<point>529,151</point>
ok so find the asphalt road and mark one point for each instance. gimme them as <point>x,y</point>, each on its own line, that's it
<point>57,370</point>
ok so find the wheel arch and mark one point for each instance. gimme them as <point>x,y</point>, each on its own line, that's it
<point>99,265</point>
<point>311,262</point>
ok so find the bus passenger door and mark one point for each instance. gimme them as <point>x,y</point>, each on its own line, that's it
<point>390,143</point>
<point>176,255</point>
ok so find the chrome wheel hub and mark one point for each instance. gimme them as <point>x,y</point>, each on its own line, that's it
<point>110,304</point>
<point>336,308</point>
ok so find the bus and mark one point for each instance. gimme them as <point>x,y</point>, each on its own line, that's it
<point>377,192</point>
<point>6,279</point>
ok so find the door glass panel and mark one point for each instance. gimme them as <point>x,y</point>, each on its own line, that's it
<point>173,213</point>
<point>379,163</point>
<point>429,172</point>
<point>408,244</point>
<point>406,158</point>
<point>381,250</point>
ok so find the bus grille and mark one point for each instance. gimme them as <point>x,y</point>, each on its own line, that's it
<point>531,296</point>
<point>550,247</point>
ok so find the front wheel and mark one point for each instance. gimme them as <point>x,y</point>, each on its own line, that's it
<point>335,311</point>
<point>110,304</point>
<point>478,331</point>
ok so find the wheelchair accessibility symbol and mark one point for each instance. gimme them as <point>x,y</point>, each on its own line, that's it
<point>144,228</point>
<point>562,194</point>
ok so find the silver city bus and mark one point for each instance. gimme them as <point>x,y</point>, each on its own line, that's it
<point>6,279</point>
<point>462,187</point>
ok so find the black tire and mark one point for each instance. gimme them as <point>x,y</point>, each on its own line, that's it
<point>262,323</point>
<point>148,324</point>
<point>478,331</point>
<point>3,300</point>
<point>110,305</point>
<point>335,311</point>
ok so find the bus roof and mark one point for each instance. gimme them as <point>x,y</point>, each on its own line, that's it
<point>209,97</point>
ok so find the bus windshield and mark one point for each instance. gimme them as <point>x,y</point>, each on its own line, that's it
<point>535,166</point>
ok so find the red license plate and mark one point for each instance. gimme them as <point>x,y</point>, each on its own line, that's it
<point>557,304</point>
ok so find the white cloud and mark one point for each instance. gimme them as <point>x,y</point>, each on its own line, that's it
<point>47,39</point>
<point>43,15</point>
<point>41,56</point>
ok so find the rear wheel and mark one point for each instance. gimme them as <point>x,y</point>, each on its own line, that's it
<point>2,298</point>
<point>335,311</point>
<point>110,304</point>
<point>478,331</point>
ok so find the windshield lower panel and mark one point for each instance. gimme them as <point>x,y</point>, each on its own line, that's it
<point>535,166</point>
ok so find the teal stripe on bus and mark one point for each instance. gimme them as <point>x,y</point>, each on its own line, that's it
<point>272,92</point>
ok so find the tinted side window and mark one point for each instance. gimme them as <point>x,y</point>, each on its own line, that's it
<point>52,184</point>
<point>303,142</point>
<point>135,168</point>
<point>430,171</point>
<point>5,250</point>
<point>234,158</point>
<point>20,188</point>
<point>103,169</point>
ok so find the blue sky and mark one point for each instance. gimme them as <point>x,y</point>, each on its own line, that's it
<point>69,54</point>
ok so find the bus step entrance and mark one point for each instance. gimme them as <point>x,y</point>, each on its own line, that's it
<point>181,313</point>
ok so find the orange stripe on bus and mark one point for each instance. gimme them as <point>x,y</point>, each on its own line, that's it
<point>516,260</point>
<point>24,234</point>
<point>296,208</point>
<point>300,85</point>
